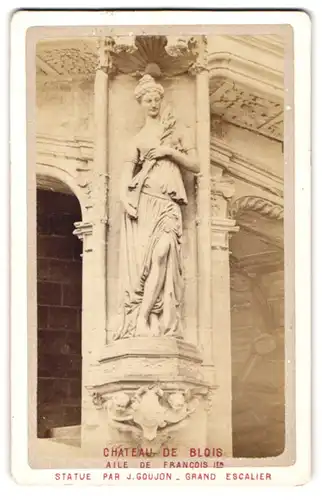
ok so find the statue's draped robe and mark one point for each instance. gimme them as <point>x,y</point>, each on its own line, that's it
<point>159,191</point>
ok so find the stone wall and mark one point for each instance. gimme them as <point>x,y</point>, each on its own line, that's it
<point>65,109</point>
<point>59,296</point>
<point>266,152</point>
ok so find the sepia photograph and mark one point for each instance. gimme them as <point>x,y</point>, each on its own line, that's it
<point>161,251</point>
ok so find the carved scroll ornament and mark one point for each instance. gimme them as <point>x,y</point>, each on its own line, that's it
<point>257,204</point>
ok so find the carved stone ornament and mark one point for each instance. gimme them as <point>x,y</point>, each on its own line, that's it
<point>257,204</point>
<point>180,46</point>
<point>201,63</point>
<point>98,401</point>
<point>83,230</point>
<point>72,58</point>
<point>149,414</point>
<point>249,108</point>
<point>222,190</point>
<point>121,44</point>
<point>84,181</point>
<point>218,126</point>
<point>134,54</point>
<point>197,67</point>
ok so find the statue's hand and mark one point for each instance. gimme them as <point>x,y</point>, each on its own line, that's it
<point>129,209</point>
<point>156,153</point>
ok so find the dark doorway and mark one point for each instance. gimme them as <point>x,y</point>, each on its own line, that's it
<point>59,302</point>
<point>257,328</point>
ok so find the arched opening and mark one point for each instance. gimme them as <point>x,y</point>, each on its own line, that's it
<point>257,325</point>
<point>59,304</point>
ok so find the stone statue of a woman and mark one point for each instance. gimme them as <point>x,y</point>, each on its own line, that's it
<point>152,192</point>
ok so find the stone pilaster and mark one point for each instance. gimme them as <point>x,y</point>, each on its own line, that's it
<point>199,68</point>
<point>100,187</point>
<point>93,233</point>
<point>220,417</point>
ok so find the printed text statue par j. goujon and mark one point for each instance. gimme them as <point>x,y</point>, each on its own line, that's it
<point>152,193</point>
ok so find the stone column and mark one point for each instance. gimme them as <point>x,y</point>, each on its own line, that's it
<point>220,418</point>
<point>205,301</point>
<point>93,233</point>
<point>100,181</point>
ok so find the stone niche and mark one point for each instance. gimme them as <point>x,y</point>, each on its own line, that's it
<point>125,120</point>
<point>149,391</point>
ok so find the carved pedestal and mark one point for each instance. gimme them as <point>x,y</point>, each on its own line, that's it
<point>148,392</point>
<point>145,392</point>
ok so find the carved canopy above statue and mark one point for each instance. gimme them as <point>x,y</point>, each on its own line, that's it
<point>132,54</point>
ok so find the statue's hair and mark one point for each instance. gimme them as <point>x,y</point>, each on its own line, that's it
<point>147,84</point>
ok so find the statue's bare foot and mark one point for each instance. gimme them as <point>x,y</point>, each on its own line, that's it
<point>154,325</point>
<point>142,327</point>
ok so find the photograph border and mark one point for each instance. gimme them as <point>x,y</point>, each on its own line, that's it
<point>22,185</point>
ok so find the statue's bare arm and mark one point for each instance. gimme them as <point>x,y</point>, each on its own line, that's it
<point>127,174</point>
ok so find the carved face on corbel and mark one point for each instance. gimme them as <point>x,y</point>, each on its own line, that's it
<point>120,401</point>
<point>177,401</point>
<point>150,414</point>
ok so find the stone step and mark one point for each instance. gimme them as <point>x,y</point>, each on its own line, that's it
<point>69,435</point>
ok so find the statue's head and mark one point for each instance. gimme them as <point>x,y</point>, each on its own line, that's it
<point>149,94</point>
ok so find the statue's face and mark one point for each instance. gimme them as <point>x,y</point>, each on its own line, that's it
<point>151,102</point>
